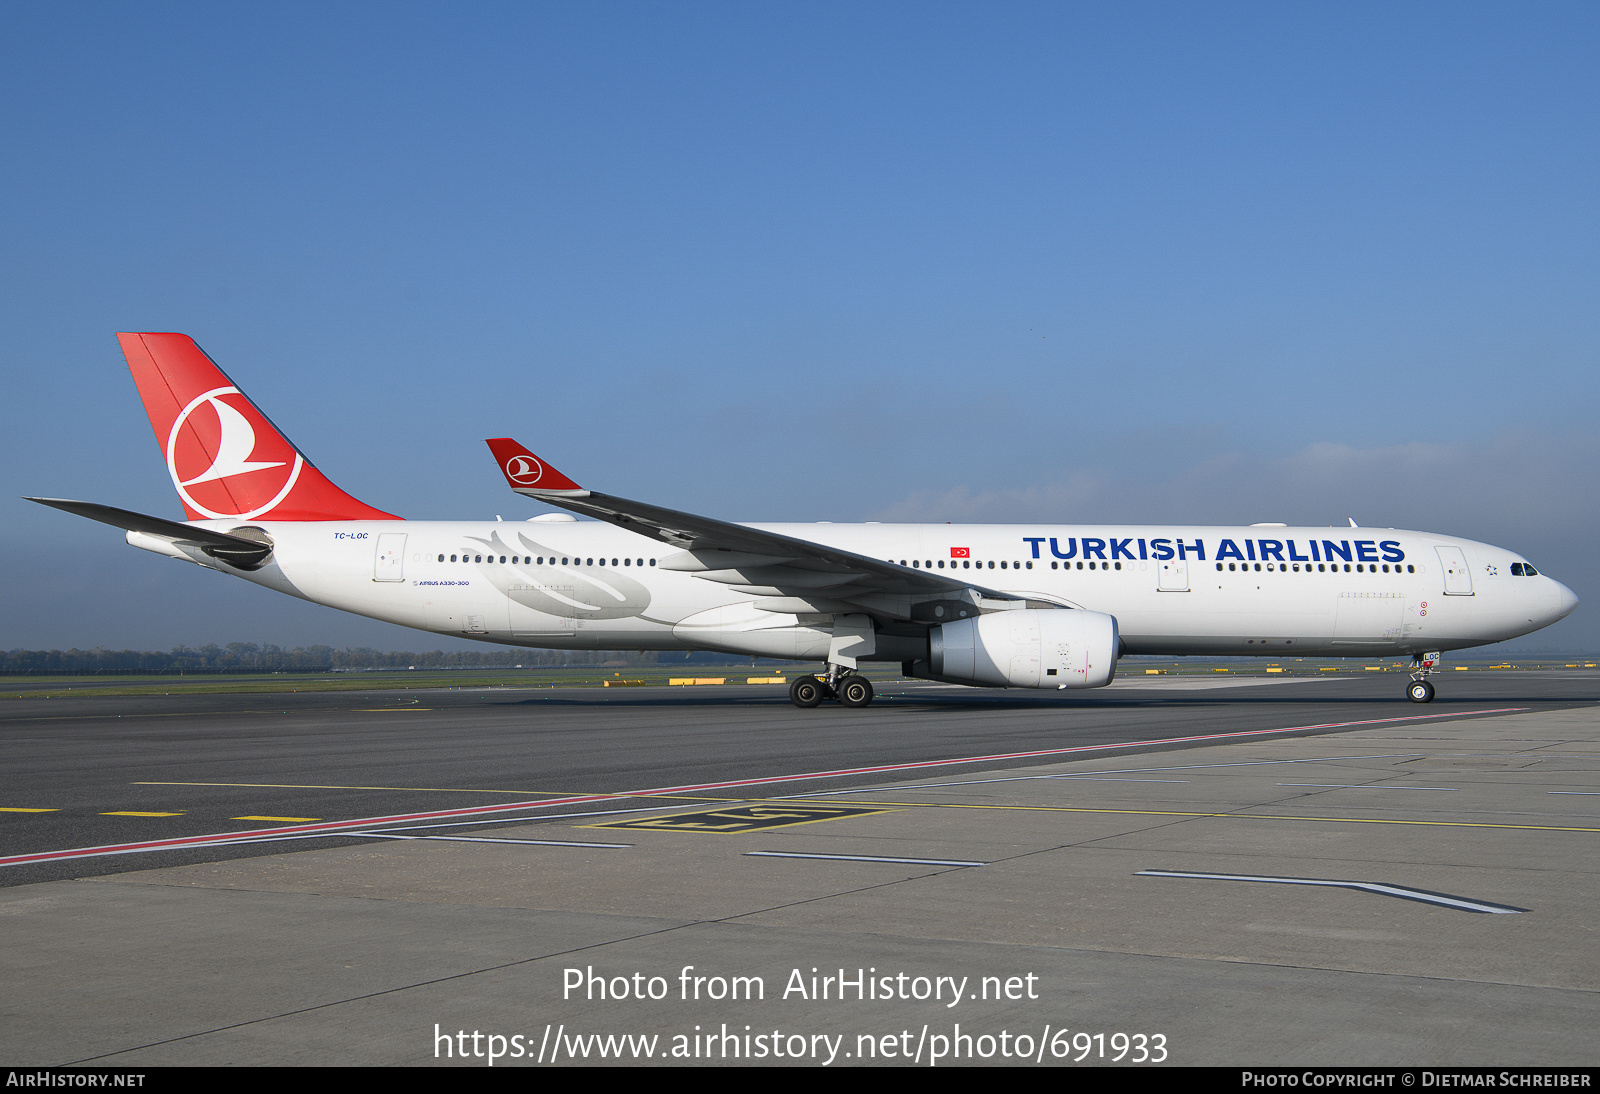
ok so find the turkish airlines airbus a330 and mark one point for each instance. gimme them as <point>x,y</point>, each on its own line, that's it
<point>1026,606</point>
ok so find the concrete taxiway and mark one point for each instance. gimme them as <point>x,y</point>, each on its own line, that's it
<point>1171,895</point>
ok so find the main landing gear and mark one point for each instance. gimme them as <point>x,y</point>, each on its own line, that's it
<point>808,691</point>
<point>850,689</point>
<point>1424,665</point>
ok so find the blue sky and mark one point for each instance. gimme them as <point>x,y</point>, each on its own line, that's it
<point>1114,262</point>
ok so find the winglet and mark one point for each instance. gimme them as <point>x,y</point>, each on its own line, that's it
<point>528,474</point>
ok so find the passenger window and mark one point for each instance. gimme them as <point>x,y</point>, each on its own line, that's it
<point>441,558</point>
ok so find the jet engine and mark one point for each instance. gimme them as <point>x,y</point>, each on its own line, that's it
<point>1025,648</point>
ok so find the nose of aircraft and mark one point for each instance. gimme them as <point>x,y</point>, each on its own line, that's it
<point>1565,601</point>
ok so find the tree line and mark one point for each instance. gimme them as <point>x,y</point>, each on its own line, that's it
<point>248,657</point>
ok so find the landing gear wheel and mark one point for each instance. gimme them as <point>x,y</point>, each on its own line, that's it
<point>855,691</point>
<point>807,691</point>
<point>1420,691</point>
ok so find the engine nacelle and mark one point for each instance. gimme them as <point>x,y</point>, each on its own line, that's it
<point>1027,648</point>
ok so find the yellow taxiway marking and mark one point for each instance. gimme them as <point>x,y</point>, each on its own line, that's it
<point>384,710</point>
<point>1225,816</point>
<point>20,809</point>
<point>320,786</point>
<point>286,820</point>
<point>135,813</point>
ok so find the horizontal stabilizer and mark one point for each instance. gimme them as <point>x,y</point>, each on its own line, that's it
<point>244,553</point>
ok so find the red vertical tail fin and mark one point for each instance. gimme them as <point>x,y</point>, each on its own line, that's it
<point>226,458</point>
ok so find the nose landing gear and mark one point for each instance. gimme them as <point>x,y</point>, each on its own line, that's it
<point>1423,666</point>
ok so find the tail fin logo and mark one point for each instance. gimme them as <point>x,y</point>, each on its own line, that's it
<point>213,442</point>
<point>524,470</point>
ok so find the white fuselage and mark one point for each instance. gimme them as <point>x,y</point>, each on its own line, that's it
<point>1273,591</point>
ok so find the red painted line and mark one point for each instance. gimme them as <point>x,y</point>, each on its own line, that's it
<point>1059,752</point>
<point>223,838</point>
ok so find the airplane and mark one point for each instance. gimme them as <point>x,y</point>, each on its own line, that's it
<point>1000,606</point>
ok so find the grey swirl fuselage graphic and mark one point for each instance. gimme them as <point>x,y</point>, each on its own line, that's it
<point>563,588</point>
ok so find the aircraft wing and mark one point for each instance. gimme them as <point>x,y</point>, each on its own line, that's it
<point>784,573</point>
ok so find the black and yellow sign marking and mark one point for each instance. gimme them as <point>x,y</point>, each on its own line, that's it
<point>744,818</point>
